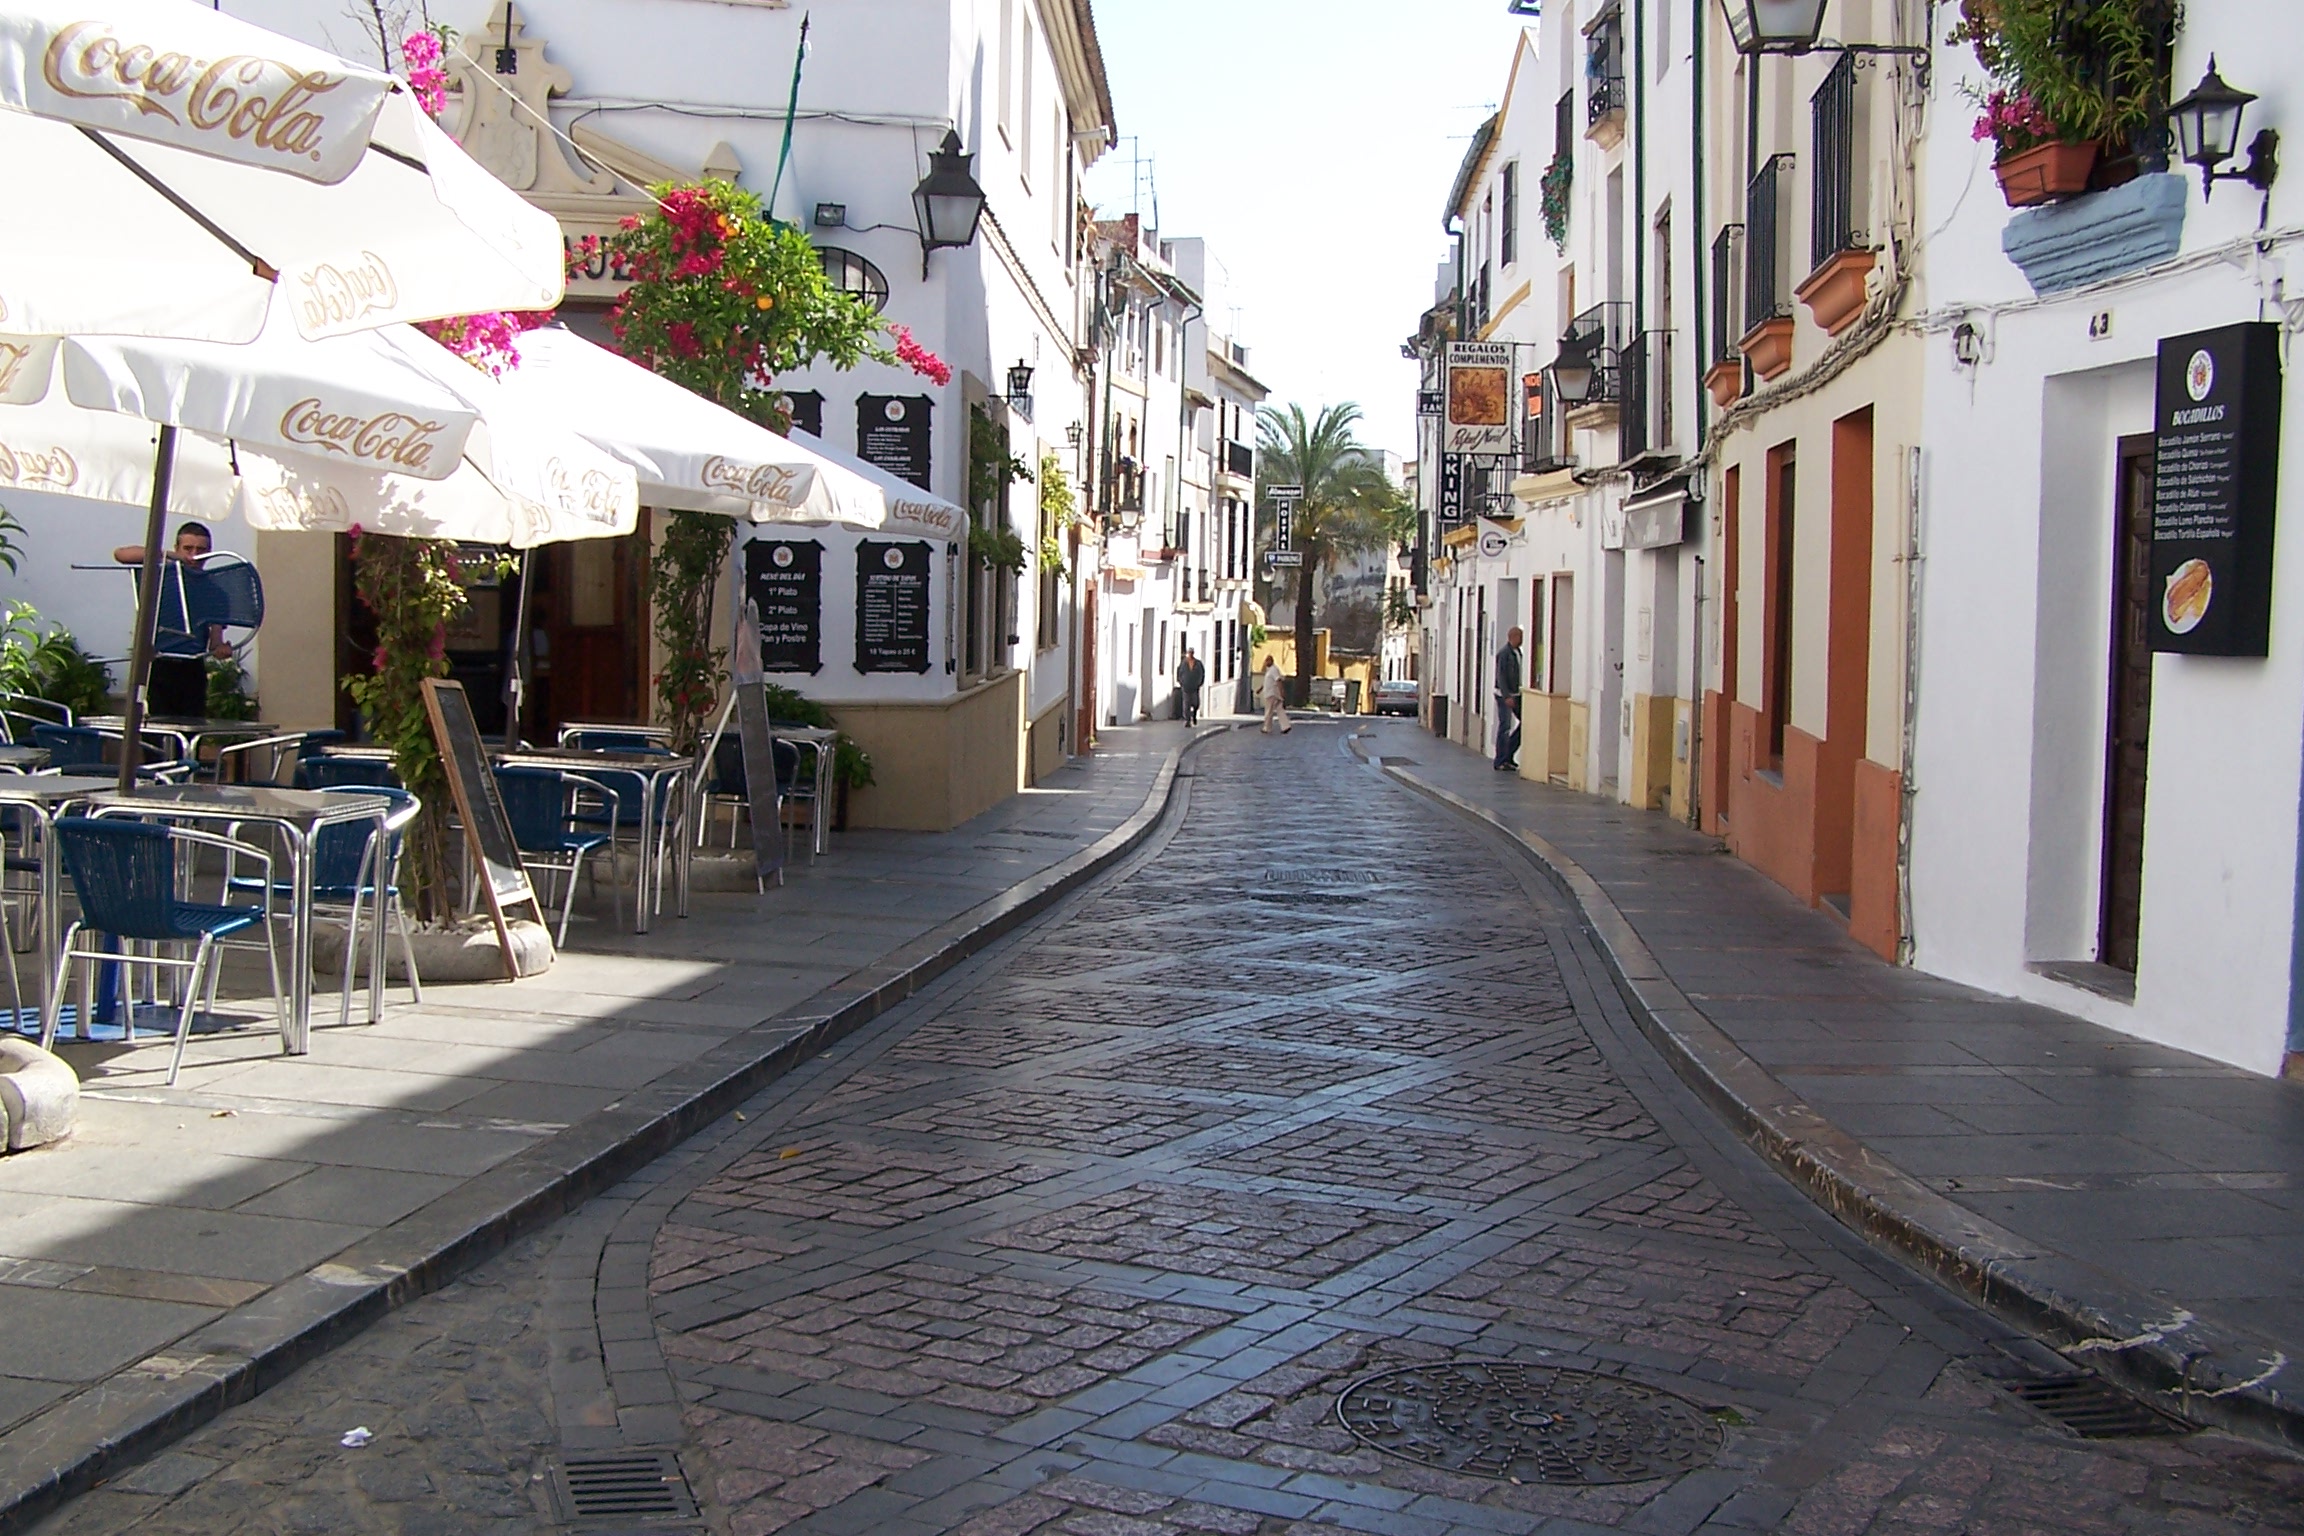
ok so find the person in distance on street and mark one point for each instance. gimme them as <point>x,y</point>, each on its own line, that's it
<point>1191,677</point>
<point>1508,702</point>
<point>1274,693</point>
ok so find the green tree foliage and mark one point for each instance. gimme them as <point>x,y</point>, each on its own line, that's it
<point>723,300</point>
<point>1349,507</point>
<point>47,663</point>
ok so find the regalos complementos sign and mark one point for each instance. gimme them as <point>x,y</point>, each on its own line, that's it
<point>1479,418</point>
<point>2216,472</point>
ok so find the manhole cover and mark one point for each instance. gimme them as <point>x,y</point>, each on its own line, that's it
<point>1315,887</point>
<point>1531,1423</point>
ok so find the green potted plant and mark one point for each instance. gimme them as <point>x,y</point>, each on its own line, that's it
<point>851,764</point>
<point>2077,88</point>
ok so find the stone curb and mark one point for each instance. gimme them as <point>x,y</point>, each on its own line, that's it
<point>2207,1375</point>
<point>80,1442</point>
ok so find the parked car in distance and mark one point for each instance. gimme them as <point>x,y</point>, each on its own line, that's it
<point>1396,696</point>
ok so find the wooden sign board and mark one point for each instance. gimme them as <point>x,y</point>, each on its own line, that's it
<point>487,829</point>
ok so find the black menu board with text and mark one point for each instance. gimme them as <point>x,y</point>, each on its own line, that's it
<point>785,579</point>
<point>2216,470</point>
<point>892,434</point>
<point>891,605</point>
<point>807,411</point>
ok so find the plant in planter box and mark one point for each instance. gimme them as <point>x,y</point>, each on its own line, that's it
<point>851,764</point>
<point>1552,197</point>
<point>2094,71</point>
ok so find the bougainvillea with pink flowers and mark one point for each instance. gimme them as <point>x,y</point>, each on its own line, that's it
<point>422,54</point>
<point>725,301</point>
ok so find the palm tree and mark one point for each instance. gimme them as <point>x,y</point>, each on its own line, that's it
<point>1347,504</point>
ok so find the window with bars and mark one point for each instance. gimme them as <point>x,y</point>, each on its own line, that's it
<point>1832,209</point>
<point>1727,293</point>
<point>1767,289</point>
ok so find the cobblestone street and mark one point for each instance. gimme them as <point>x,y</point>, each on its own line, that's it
<point>1092,1237</point>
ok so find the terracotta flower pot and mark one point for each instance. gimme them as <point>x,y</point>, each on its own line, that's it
<point>2045,173</point>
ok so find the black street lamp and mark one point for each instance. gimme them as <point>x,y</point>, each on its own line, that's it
<point>1794,27</point>
<point>1019,396</point>
<point>1573,372</point>
<point>2207,125</point>
<point>948,204</point>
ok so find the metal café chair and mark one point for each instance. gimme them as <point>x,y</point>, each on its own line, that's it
<point>356,869</point>
<point>268,760</point>
<point>724,785</point>
<point>637,742</point>
<point>125,873</point>
<point>344,772</point>
<point>541,805</point>
<point>790,785</point>
<point>21,714</point>
<point>82,747</point>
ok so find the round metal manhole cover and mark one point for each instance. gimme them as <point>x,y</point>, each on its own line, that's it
<point>1531,1423</point>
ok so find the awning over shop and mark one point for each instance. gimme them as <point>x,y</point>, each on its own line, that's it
<point>1657,517</point>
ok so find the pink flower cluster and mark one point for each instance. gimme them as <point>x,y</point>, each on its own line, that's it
<point>2012,120</point>
<point>489,342</point>
<point>421,53</point>
<point>918,358</point>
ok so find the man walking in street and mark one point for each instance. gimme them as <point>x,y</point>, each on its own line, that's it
<point>1508,701</point>
<point>1190,678</point>
<point>1275,696</point>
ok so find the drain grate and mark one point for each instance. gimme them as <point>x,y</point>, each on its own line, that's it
<point>1399,762</point>
<point>638,1488</point>
<point>1532,1424</point>
<point>2094,1409</point>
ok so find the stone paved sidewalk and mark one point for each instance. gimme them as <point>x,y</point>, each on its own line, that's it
<point>2139,1204</point>
<point>267,1203</point>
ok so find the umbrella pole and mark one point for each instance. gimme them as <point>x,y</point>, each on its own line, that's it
<point>516,679</point>
<point>147,611</point>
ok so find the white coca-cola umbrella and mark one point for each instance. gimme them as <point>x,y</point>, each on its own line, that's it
<point>172,171</point>
<point>697,456</point>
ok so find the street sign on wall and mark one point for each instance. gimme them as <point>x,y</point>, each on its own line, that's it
<point>2216,472</point>
<point>1479,418</point>
<point>1292,559</point>
<point>1452,488</point>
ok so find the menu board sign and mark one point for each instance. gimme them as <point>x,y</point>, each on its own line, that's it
<point>785,579</point>
<point>891,605</point>
<point>1479,418</point>
<point>2216,467</point>
<point>892,434</point>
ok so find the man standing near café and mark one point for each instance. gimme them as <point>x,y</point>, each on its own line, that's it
<point>1508,676</point>
<point>1191,677</point>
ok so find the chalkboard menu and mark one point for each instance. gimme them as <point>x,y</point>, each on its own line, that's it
<point>480,810</point>
<point>892,434</point>
<point>2216,468</point>
<point>785,578</point>
<point>807,411</point>
<point>891,606</point>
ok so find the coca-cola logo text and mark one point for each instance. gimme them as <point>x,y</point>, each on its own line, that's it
<point>53,468</point>
<point>760,482</point>
<point>329,295</point>
<point>268,103</point>
<point>389,439</point>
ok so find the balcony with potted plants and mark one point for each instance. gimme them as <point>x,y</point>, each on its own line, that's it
<point>2075,104</point>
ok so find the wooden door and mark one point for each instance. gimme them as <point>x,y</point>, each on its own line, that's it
<point>2128,713</point>
<point>589,609</point>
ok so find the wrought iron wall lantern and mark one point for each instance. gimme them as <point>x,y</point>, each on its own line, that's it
<point>2207,127</point>
<point>1575,374</point>
<point>948,204</point>
<point>1019,396</point>
<point>1793,27</point>
<point>508,56</point>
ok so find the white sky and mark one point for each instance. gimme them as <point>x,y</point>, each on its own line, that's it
<point>1312,143</point>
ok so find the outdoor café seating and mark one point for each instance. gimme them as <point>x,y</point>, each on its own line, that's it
<point>126,873</point>
<point>541,805</point>
<point>355,870</point>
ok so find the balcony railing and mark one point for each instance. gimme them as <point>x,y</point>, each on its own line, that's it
<point>1644,426</point>
<point>1832,212</point>
<point>1544,441</point>
<point>1767,286</point>
<point>1239,459</point>
<point>1604,68</point>
<point>1727,292</point>
<point>1599,336</point>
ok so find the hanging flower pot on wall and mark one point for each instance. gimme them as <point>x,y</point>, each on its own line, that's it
<point>2045,172</point>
